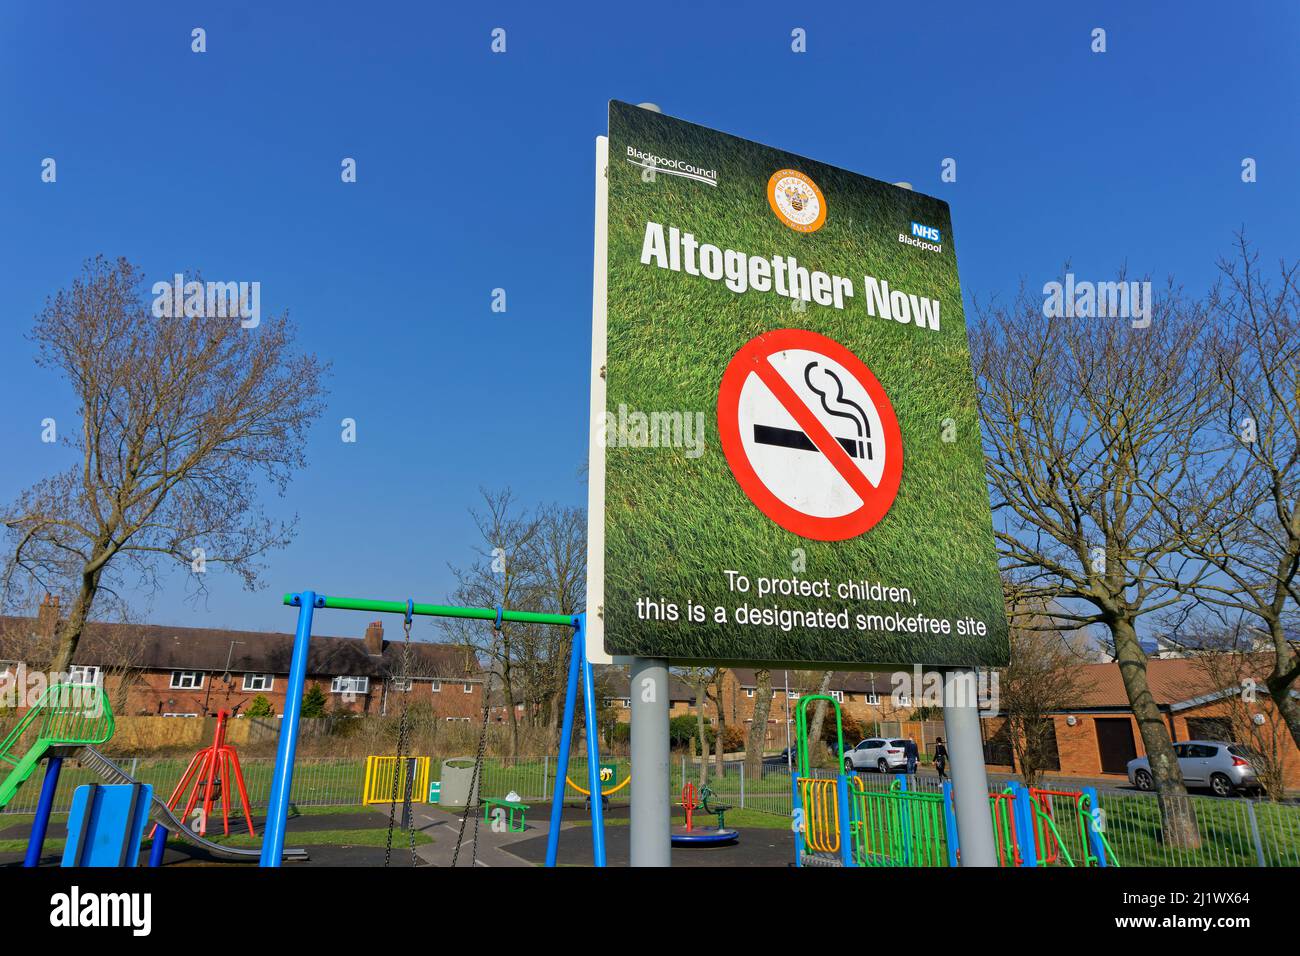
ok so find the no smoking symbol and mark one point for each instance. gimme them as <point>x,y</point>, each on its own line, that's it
<point>810,434</point>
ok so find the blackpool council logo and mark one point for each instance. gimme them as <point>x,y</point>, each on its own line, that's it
<point>796,200</point>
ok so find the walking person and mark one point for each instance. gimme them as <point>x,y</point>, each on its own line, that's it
<point>912,754</point>
<point>940,758</point>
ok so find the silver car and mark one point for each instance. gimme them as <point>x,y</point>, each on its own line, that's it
<point>1222,767</point>
<point>876,753</point>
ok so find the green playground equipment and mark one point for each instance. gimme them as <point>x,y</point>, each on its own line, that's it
<point>839,822</point>
<point>1065,831</point>
<point>69,721</point>
<point>66,715</point>
<point>898,827</point>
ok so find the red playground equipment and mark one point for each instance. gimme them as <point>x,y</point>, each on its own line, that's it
<point>691,835</point>
<point>210,771</point>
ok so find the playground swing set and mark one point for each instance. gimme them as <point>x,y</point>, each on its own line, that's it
<point>839,822</point>
<point>307,602</point>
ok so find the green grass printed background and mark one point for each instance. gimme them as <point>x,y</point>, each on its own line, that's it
<point>674,523</point>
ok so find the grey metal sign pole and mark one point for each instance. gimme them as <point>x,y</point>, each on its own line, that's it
<point>651,816</point>
<point>970,782</point>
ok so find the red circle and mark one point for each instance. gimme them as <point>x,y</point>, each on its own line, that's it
<point>738,371</point>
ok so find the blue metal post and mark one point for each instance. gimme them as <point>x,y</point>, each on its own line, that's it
<point>1094,835</point>
<point>158,847</point>
<point>566,734</point>
<point>1023,809</point>
<point>796,818</point>
<point>950,823</point>
<point>277,811</point>
<point>846,831</point>
<point>593,744</point>
<point>36,841</point>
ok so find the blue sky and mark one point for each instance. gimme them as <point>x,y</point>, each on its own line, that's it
<point>475,172</point>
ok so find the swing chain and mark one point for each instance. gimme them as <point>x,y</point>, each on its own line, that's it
<point>475,777</point>
<point>399,763</point>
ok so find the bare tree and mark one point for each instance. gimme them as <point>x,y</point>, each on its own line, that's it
<point>816,744</point>
<point>719,683</point>
<point>558,556</point>
<point>699,678</point>
<point>1088,426</point>
<point>503,575</point>
<point>179,419</point>
<point>1246,526</point>
<point>758,725</point>
<point>1042,678</point>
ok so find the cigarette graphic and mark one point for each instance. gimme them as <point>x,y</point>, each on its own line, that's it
<point>857,447</point>
<point>793,438</point>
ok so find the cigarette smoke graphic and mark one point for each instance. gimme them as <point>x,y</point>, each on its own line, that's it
<point>859,420</point>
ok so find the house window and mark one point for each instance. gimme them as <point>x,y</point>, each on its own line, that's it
<point>792,695</point>
<point>467,688</point>
<point>435,686</point>
<point>749,692</point>
<point>873,699</point>
<point>453,719</point>
<point>187,680</point>
<point>258,681</point>
<point>1209,728</point>
<point>838,695</point>
<point>402,684</point>
<point>350,685</point>
<point>84,674</point>
<point>180,715</point>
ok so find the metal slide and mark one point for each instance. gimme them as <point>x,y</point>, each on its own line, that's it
<point>110,772</point>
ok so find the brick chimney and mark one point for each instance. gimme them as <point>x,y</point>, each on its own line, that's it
<point>375,638</point>
<point>47,618</point>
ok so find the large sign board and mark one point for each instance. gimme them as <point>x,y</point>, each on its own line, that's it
<point>785,456</point>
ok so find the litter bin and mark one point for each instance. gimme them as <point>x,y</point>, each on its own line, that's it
<point>457,775</point>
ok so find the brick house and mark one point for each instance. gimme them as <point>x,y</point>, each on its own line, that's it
<point>864,696</point>
<point>159,670</point>
<point>1098,735</point>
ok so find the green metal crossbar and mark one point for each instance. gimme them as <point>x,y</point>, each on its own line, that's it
<point>439,610</point>
<point>58,723</point>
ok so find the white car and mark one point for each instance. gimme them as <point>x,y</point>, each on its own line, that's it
<point>876,753</point>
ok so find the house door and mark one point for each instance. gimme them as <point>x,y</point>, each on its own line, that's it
<point>1115,743</point>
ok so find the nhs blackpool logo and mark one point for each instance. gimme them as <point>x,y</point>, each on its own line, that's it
<point>928,233</point>
<point>923,237</point>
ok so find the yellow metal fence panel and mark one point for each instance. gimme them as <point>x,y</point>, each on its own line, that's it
<point>821,814</point>
<point>378,786</point>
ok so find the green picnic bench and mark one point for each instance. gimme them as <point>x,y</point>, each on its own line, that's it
<point>516,813</point>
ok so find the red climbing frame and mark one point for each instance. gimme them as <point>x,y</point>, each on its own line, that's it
<point>688,803</point>
<point>211,770</point>
<point>1049,850</point>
